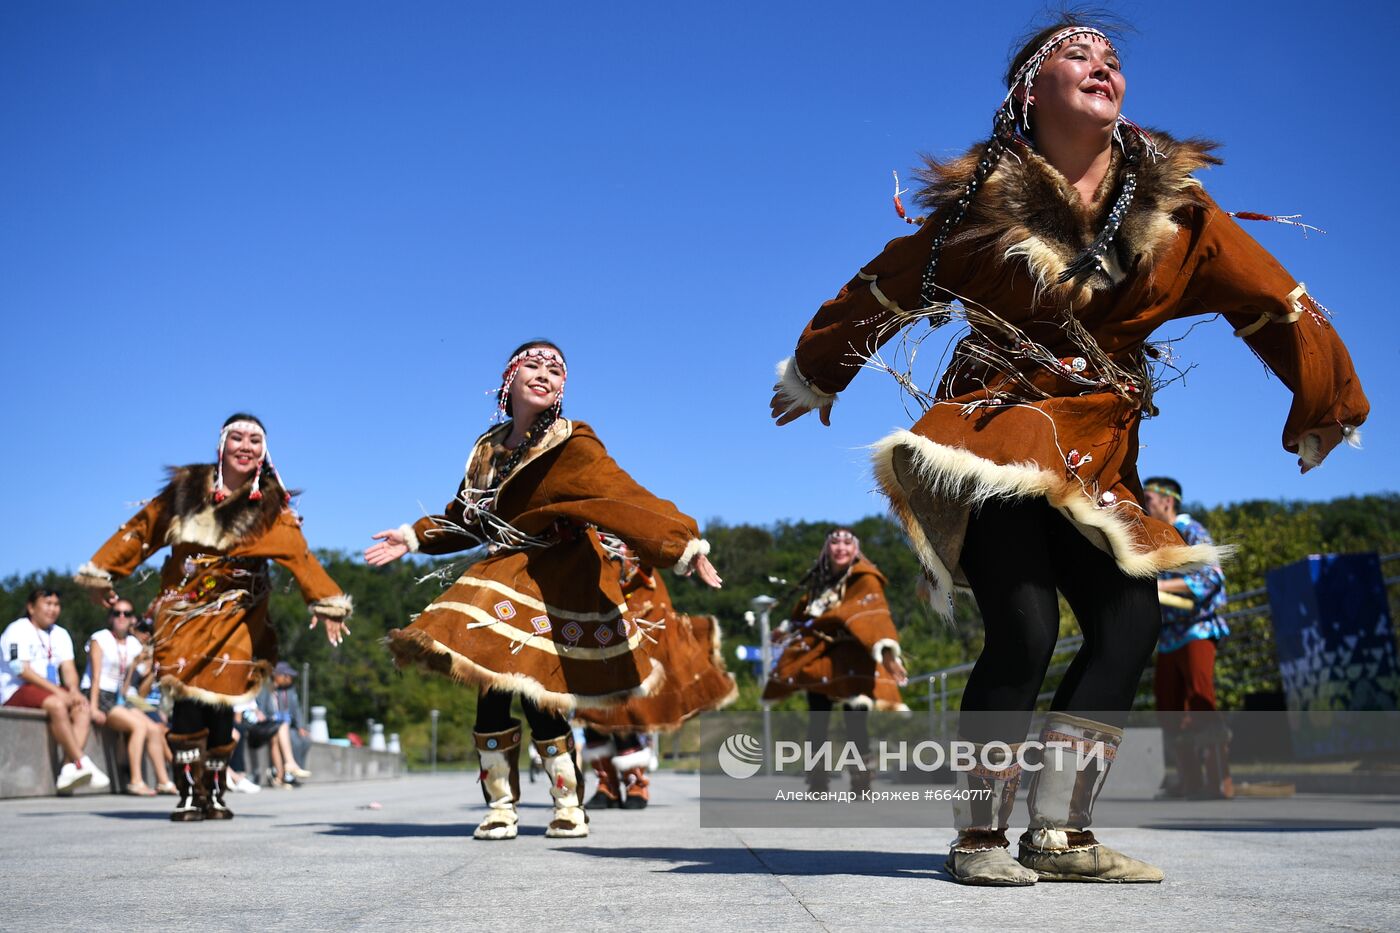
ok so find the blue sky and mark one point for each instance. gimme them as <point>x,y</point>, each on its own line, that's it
<point>342,216</point>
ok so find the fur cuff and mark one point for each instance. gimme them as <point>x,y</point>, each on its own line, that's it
<point>797,390</point>
<point>641,758</point>
<point>592,753</point>
<point>880,647</point>
<point>410,538</point>
<point>861,702</point>
<point>337,608</point>
<point>1352,435</point>
<point>692,550</point>
<point>92,577</point>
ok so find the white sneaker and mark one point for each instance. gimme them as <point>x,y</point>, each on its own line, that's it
<point>70,778</point>
<point>98,779</point>
<point>243,785</point>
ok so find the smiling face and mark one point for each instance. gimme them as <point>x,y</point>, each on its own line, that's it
<point>1079,86</point>
<point>119,619</point>
<point>43,610</point>
<point>536,386</point>
<point>841,552</point>
<point>243,451</point>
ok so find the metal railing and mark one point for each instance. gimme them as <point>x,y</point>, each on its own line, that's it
<point>1247,656</point>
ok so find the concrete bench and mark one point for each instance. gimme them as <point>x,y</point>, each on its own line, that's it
<point>29,758</point>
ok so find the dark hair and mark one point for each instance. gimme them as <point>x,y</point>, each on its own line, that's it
<point>1166,482</point>
<point>243,416</point>
<point>542,421</point>
<point>39,592</point>
<point>1064,18</point>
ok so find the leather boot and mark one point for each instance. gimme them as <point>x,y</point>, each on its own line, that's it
<point>632,766</point>
<point>981,813</point>
<point>570,821</point>
<point>1059,845</point>
<point>187,754</point>
<point>863,777</point>
<point>500,781</point>
<point>214,780</point>
<point>609,793</point>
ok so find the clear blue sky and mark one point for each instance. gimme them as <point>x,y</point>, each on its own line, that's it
<point>342,215</point>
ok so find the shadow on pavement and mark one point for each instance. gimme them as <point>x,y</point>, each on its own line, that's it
<point>763,861</point>
<point>405,830</point>
<point>1278,826</point>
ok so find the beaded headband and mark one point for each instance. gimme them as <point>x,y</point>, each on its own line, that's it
<point>842,535</point>
<point>1163,490</point>
<point>246,427</point>
<point>548,354</point>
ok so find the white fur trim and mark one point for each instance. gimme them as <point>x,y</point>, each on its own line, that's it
<point>860,702</point>
<point>337,608</point>
<point>592,753</point>
<point>410,538</point>
<point>1352,436</point>
<point>796,390</point>
<point>958,473</point>
<point>172,689</point>
<point>1310,450</point>
<point>694,549</point>
<point>92,577</point>
<point>634,759</point>
<point>880,647</point>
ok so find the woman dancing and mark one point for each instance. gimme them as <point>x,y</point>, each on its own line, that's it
<point>542,616</point>
<point>1062,242</point>
<point>212,643</point>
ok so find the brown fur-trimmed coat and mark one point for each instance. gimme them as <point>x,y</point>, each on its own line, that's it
<point>212,641</point>
<point>1177,255</point>
<point>548,622</point>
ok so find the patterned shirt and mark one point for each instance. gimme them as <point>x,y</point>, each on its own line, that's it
<point>1207,586</point>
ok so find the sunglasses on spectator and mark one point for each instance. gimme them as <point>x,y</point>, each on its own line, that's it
<point>119,613</point>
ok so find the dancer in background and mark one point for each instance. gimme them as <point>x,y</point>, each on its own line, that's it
<point>542,614</point>
<point>212,643</point>
<point>840,646</point>
<point>688,649</point>
<point>1062,243</point>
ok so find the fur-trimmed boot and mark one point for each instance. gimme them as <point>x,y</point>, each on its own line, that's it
<point>215,779</point>
<point>187,757</point>
<point>500,781</point>
<point>609,793</point>
<point>570,821</point>
<point>979,855</point>
<point>1059,845</point>
<point>632,766</point>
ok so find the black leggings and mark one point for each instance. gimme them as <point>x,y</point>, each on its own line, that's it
<point>493,715</point>
<point>1016,555</point>
<point>853,720</point>
<point>191,716</point>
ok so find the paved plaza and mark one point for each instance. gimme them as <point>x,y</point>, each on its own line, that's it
<point>324,858</point>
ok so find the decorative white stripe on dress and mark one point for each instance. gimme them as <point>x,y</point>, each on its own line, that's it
<point>535,604</point>
<point>890,306</point>
<point>1295,298</point>
<point>520,638</point>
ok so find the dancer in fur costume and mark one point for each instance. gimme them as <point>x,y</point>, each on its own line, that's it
<point>1063,243</point>
<point>542,615</point>
<point>840,646</point>
<point>212,643</point>
<point>688,649</point>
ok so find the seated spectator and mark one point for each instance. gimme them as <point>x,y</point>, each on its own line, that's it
<point>238,777</point>
<point>112,653</point>
<point>38,672</point>
<point>143,695</point>
<point>280,708</point>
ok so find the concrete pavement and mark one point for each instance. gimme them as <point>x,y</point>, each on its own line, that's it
<point>320,858</point>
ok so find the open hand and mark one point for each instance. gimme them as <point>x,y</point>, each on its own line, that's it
<point>392,545</point>
<point>785,411</point>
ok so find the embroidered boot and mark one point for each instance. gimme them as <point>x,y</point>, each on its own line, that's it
<point>1059,845</point>
<point>609,793</point>
<point>632,766</point>
<point>187,754</point>
<point>981,813</point>
<point>569,821</point>
<point>214,781</point>
<point>500,781</point>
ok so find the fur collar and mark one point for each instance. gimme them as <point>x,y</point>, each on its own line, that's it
<point>195,519</point>
<point>1027,209</point>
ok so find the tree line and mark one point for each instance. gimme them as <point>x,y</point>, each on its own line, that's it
<point>358,681</point>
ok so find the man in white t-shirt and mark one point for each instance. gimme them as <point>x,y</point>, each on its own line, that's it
<point>37,671</point>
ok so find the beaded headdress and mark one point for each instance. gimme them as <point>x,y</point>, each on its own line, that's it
<point>245,427</point>
<point>513,366</point>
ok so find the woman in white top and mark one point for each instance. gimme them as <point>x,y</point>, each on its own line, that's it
<point>112,655</point>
